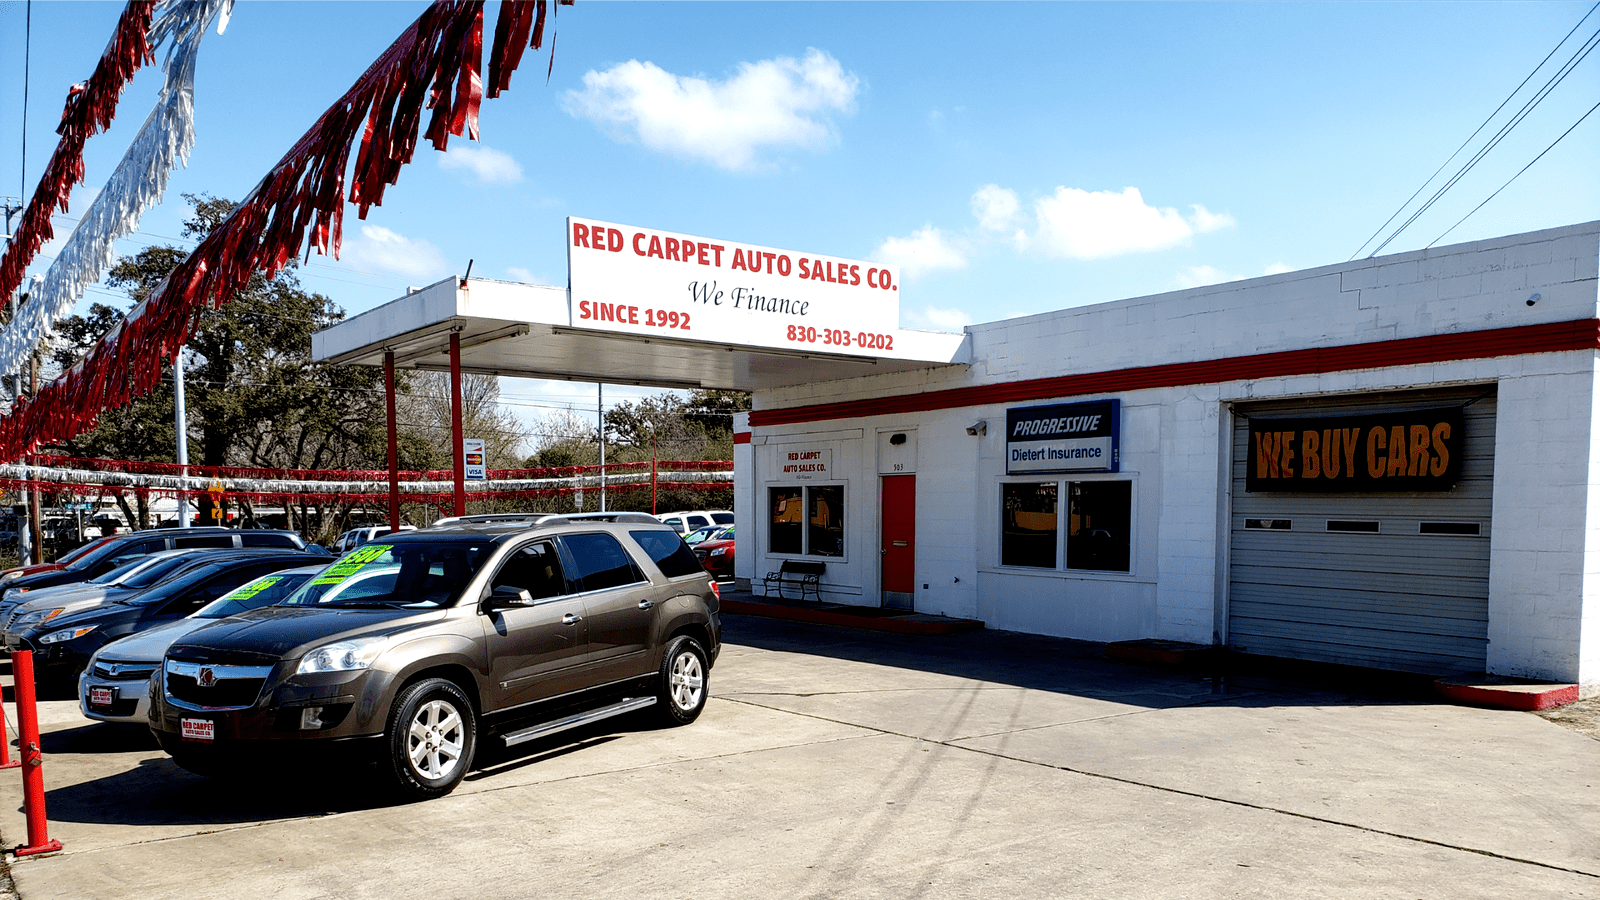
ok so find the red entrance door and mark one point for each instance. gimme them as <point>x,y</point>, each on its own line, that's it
<point>899,540</point>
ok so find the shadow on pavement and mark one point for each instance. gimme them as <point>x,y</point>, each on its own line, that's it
<point>1080,668</point>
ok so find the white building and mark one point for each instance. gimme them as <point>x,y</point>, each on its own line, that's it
<point>909,487</point>
<point>1388,463</point>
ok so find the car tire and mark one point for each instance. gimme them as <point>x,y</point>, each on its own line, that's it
<point>683,684</point>
<point>430,740</point>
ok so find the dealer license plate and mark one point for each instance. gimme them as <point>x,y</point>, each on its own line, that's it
<point>102,697</point>
<point>199,729</point>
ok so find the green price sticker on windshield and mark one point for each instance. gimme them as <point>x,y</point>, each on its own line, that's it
<point>352,563</point>
<point>254,588</point>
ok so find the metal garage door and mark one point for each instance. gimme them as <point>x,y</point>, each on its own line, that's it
<point>1394,581</point>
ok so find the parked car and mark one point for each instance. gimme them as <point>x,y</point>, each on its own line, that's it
<point>493,519</point>
<point>9,576</point>
<point>62,646</point>
<point>355,537</point>
<point>20,609</point>
<point>108,553</point>
<point>702,534</point>
<point>414,647</point>
<point>115,685</point>
<point>685,522</point>
<point>716,554</point>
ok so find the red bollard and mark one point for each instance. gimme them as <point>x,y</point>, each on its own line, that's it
<point>32,759</point>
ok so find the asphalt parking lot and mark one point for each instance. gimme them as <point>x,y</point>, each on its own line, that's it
<point>841,763</point>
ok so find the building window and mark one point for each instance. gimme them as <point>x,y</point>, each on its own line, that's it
<point>1099,525</point>
<point>1028,525</point>
<point>807,521</point>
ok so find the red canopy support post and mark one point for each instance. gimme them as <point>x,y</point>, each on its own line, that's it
<point>394,444</point>
<point>32,758</point>
<point>456,432</point>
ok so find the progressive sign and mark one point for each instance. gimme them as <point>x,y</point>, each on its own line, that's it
<point>1387,452</point>
<point>671,285</point>
<point>1065,437</point>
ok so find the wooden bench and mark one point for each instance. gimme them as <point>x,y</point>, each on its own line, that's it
<point>808,575</point>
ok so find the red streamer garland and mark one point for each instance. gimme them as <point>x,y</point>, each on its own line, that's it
<point>433,65</point>
<point>89,109</point>
<point>52,460</point>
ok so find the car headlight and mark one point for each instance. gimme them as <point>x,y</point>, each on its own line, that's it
<point>10,576</point>
<point>719,551</point>
<point>37,617</point>
<point>342,656</point>
<point>66,634</point>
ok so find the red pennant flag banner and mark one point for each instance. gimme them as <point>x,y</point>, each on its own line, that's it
<point>90,108</point>
<point>434,66</point>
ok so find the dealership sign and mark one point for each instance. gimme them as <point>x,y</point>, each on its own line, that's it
<point>1386,452</point>
<point>805,464</point>
<point>670,285</point>
<point>1065,437</point>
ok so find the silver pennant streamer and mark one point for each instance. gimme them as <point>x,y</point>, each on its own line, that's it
<point>137,184</point>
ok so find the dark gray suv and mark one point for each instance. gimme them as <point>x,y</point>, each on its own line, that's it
<point>417,646</point>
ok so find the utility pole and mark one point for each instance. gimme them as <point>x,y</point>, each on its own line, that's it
<point>600,415</point>
<point>182,426</point>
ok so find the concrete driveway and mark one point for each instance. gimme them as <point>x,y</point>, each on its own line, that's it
<point>841,763</point>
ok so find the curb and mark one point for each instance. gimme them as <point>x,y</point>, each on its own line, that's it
<point>1506,693</point>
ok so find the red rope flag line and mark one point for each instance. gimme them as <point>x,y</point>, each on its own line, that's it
<point>444,47</point>
<point>196,473</point>
<point>89,109</point>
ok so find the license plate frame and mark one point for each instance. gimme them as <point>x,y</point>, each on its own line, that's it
<point>102,697</point>
<point>202,730</point>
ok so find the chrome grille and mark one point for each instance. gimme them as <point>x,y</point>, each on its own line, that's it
<point>215,686</point>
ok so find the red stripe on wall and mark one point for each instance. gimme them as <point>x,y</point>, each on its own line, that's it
<point>741,437</point>
<point>1582,334</point>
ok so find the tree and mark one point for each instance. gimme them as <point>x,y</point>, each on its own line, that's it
<point>253,396</point>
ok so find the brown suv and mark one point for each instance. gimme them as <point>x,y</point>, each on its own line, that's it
<point>418,645</point>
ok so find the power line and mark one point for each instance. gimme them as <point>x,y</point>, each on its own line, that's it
<point>1519,174</point>
<point>1527,108</point>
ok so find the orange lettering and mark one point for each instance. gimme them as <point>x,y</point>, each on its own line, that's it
<point>1397,450</point>
<point>1286,448</point>
<point>1350,436</point>
<point>1441,433</point>
<point>1419,451</point>
<point>1375,464</point>
<point>1310,466</point>
<point>1266,455</point>
<point>1330,452</point>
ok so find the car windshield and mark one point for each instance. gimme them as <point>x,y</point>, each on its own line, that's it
<point>264,591</point>
<point>80,557</point>
<point>122,571</point>
<point>700,534</point>
<point>418,575</point>
<point>155,571</point>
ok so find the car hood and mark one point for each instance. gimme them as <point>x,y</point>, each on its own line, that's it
<point>288,632</point>
<point>150,646</point>
<point>36,569</point>
<point>71,608</point>
<point>60,595</point>
<point>713,545</point>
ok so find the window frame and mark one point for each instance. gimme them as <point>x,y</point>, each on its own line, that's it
<point>805,489</point>
<point>1063,482</point>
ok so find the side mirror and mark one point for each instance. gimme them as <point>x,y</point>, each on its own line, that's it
<point>507,597</point>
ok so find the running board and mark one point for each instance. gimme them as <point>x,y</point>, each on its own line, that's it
<point>576,721</point>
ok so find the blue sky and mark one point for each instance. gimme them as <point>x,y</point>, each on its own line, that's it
<point>1012,158</point>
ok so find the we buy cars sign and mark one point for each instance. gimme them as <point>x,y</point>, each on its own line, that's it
<point>671,285</point>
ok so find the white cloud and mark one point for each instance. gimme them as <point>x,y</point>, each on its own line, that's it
<point>774,103</point>
<point>1198,276</point>
<point>379,249</point>
<point>995,207</point>
<point>933,318</point>
<point>1080,224</point>
<point>926,250</point>
<point>490,165</point>
<point>1204,220</point>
